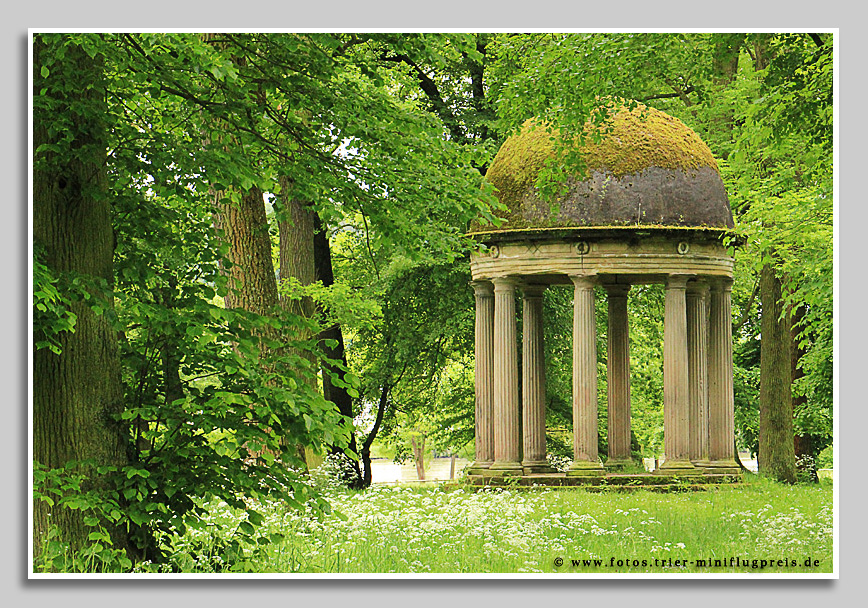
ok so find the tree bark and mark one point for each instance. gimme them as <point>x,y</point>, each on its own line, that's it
<point>76,394</point>
<point>725,56</point>
<point>252,283</point>
<point>295,228</point>
<point>295,221</point>
<point>776,456</point>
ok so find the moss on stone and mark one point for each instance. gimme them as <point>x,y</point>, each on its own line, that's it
<point>645,137</point>
<point>631,140</point>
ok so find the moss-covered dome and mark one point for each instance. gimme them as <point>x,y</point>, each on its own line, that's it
<point>649,170</point>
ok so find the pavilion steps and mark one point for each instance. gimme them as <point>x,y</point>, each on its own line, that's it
<point>618,482</point>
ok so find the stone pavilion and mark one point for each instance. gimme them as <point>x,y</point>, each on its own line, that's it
<point>649,207</point>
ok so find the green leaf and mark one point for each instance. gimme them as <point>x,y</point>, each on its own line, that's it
<point>246,527</point>
<point>44,71</point>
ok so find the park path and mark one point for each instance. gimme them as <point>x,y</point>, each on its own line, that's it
<point>384,470</point>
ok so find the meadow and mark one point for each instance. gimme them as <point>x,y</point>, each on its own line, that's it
<point>758,526</point>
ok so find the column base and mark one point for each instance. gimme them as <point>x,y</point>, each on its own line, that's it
<point>536,467</point>
<point>478,468</point>
<point>702,464</point>
<point>677,467</point>
<point>722,467</point>
<point>504,469</point>
<point>617,464</point>
<point>585,468</point>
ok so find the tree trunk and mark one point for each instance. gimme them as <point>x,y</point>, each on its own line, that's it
<point>295,221</point>
<point>252,284</point>
<point>725,56</point>
<point>776,456</point>
<point>76,394</point>
<point>295,228</point>
<point>173,388</point>
<point>419,455</point>
<point>365,452</point>
<point>336,394</point>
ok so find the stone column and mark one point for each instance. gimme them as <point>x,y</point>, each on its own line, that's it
<point>585,461</point>
<point>721,423</point>
<point>533,384</point>
<point>506,419</point>
<point>484,376</point>
<point>618,370</point>
<point>697,361</point>
<point>676,396</point>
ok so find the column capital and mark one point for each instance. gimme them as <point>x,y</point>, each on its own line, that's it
<point>583,280</point>
<point>483,289</point>
<point>677,281</point>
<point>617,290</point>
<point>533,290</point>
<point>719,284</point>
<point>502,284</point>
<point>697,288</point>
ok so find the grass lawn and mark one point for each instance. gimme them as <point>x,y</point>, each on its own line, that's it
<point>401,529</point>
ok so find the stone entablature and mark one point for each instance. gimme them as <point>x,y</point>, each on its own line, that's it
<point>641,259</point>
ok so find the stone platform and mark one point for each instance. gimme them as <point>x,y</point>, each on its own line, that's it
<point>612,481</point>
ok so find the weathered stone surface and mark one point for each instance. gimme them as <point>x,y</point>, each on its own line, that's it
<point>676,402</point>
<point>506,419</point>
<point>585,458</point>
<point>610,482</point>
<point>697,355</point>
<point>533,382</point>
<point>484,375</point>
<point>644,259</point>
<point>618,368</point>
<point>720,394</point>
<point>652,197</point>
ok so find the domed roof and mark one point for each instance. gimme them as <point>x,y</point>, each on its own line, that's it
<point>649,170</point>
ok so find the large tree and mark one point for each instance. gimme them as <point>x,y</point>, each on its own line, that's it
<point>777,456</point>
<point>77,391</point>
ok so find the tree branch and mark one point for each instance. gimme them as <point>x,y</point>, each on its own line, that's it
<point>381,409</point>
<point>817,40</point>
<point>746,312</point>
<point>429,87</point>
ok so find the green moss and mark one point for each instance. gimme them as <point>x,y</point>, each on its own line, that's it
<point>642,138</point>
<point>514,170</point>
<point>629,142</point>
